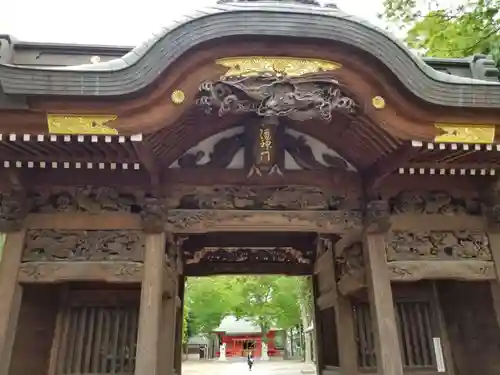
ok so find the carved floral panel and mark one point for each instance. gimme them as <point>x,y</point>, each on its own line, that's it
<point>93,245</point>
<point>433,202</point>
<point>438,245</point>
<point>256,198</point>
<point>285,255</point>
<point>86,199</point>
<point>12,210</point>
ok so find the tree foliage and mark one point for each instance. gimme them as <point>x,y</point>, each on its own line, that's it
<point>267,301</point>
<point>472,27</point>
<point>209,300</point>
<point>185,325</point>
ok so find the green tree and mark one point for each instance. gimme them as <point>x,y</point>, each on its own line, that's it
<point>255,303</point>
<point>185,324</point>
<point>434,30</point>
<point>270,301</point>
<point>286,301</point>
<point>209,300</point>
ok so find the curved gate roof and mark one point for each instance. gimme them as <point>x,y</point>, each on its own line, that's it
<point>140,67</point>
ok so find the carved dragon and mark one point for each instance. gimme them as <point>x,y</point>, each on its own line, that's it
<point>276,95</point>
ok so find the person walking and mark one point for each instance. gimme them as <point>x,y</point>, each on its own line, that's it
<point>250,361</point>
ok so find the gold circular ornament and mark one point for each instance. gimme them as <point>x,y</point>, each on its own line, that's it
<point>378,102</point>
<point>178,96</point>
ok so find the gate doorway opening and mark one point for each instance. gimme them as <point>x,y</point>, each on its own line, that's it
<point>230,317</point>
<point>241,282</point>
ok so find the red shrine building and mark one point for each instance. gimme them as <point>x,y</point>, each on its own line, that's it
<point>242,336</point>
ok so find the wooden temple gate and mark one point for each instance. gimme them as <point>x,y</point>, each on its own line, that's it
<point>305,143</point>
<point>101,292</point>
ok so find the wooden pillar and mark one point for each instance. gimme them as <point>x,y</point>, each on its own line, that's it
<point>166,359</point>
<point>151,300</point>
<point>10,295</point>
<point>491,211</point>
<point>388,351</point>
<point>348,353</point>
<point>494,238</point>
<point>330,296</point>
<point>179,328</point>
<point>318,331</point>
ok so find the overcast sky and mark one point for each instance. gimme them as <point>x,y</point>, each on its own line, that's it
<point>128,23</point>
<point>114,22</point>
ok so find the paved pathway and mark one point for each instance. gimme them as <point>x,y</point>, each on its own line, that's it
<point>239,367</point>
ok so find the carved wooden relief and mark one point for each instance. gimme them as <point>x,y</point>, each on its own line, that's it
<point>286,255</point>
<point>492,205</point>
<point>433,202</point>
<point>13,209</point>
<point>86,199</point>
<point>460,245</point>
<point>351,261</point>
<point>256,198</point>
<point>276,94</point>
<point>195,221</point>
<point>350,269</point>
<point>96,245</point>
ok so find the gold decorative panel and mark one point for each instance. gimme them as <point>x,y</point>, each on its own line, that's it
<point>291,66</point>
<point>80,124</point>
<point>455,133</point>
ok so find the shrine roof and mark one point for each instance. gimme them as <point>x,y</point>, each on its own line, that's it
<point>231,325</point>
<point>471,82</point>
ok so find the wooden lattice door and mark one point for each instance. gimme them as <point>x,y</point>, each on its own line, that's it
<point>96,334</point>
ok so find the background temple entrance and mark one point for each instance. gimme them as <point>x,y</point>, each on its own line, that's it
<point>266,315</point>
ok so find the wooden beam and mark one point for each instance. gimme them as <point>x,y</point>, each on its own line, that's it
<point>467,270</point>
<point>84,221</point>
<point>56,272</point>
<point>39,178</point>
<point>150,310</point>
<point>257,269</point>
<point>10,295</point>
<point>148,159</point>
<point>203,221</point>
<point>424,222</point>
<point>347,181</point>
<point>340,182</point>
<point>389,359</point>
